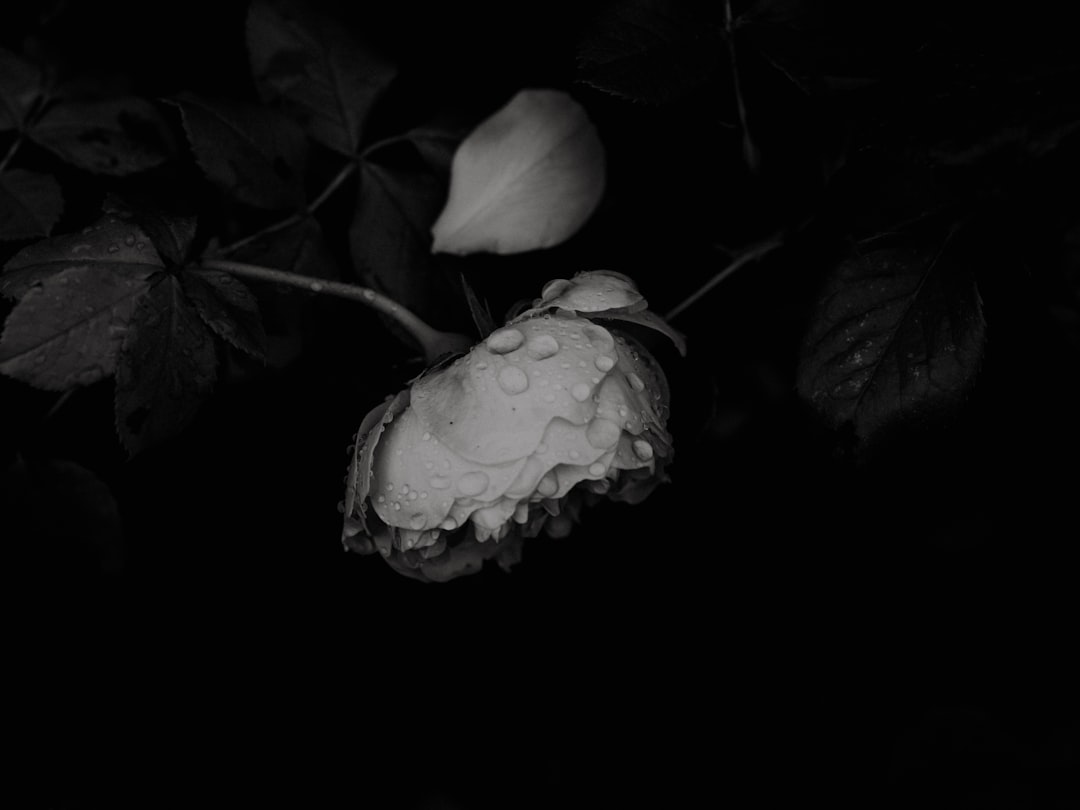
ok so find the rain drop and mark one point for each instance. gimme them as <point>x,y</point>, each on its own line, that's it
<point>513,380</point>
<point>542,346</point>
<point>448,525</point>
<point>596,469</point>
<point>580,391</point>
<point>472,483</point>
<point>548,485</point>
<point>426,437</point>
<point>635,381</point>
<point>418,521</point>
<point>643,449</point>
<point>504,341</point>
<point>405,489</point>
<point>397,506</point>
<point>129,240</point>
<point>113,248</point>
<point>602,433</point>
<point>439,482</point>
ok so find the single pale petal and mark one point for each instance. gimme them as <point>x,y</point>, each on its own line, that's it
<point>593,291</point>
<point>526,178</point>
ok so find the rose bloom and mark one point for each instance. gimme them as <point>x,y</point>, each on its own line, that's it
<point>548,414</point>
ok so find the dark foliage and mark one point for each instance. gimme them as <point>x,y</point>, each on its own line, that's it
<point>860,584</point>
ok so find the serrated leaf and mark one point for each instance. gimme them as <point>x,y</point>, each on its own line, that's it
<point>316,69</point>
<point>526,178</point>
<point>20,88</point>
<point>227,307</point>
<point>30,204</point>
<point>650,51</point>
<point>166,367</point>
<point>402,188</point>
<point>67,331</point>
<point>116,137</point>
<point>898,334</point>
<point>252,153</point>
<point>171,235</point>
<point>109,245</point>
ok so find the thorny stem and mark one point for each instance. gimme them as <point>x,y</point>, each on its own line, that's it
<point>12,150</point>
<point>433,342</point>
<point>750,255</point>
<point>293,219</point>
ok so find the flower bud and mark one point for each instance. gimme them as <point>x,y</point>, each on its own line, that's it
<point>548,414</point>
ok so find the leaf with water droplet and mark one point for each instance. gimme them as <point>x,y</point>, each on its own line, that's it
<point>116,137</point>
<point>316,69</point>
<point>898,332</point>
<point>30,204</point>
<point>252,153</point>
<point>170,234</point>
<point>227,307</point>
<point>67,331</point>
<point>528,177</point>
<point>21,85</point>
<point>89,248</point>
<point>166,367</point>
<point>403,185</point>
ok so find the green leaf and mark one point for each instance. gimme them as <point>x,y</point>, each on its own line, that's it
<point>66,331</point>
<point>227,307</point>
<point>171,235</point>
<point>650,51</point>
<point>109,245</point>
<point>21,85</point>
<point>252,153</point>
<point>316,69</point>
<point>898,334</point>
<point>166,368</point>
<point>116,137</point>
<point>403,186</point>
<point>30,204</point>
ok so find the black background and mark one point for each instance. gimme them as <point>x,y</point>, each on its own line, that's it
<point>779,624</point>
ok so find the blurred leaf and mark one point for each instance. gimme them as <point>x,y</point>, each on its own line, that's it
<point>30,204</point>
<point>252,153</point>
<point>227,307</point>
<point>20,88</point>
<point>166,368</point>
<point>651,51</point>
<point>110,245</point>
<point>481,313</point>
<point>403,185</point>
<point>67,330</point>
<point>526,178</point>
<point>316,69</point>
<point>171,235</point>
<point>116,137</point>
<point>898,333</point>
<point>66,512</point>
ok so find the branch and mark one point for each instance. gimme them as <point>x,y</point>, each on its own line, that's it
<point>752,254</point>
<point>11,151</point>
<point>433,342</point>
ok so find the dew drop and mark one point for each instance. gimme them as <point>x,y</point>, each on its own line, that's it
<point>481,365</point>
<point>596,469</point>
<point>405,489</point>
<point>439,482</point>
<point>423,496</point>
<point>548,485</point>
<point>472,483</point>
<point>581,391</point>
<point>129,240</point>
<point>389,487</point>
<point>113,248</point>
<point>642,449</point>
<point>542,346</point>
<point>369,295</point>
<point>504,341</point>
<point>513,380</point>
<point>602,433</point>
<point>448,525</point>
<point>635,381</point>
<point>397,506</point>
<point>426,437</point>
<point>140,245</point>
<point>418,521</point>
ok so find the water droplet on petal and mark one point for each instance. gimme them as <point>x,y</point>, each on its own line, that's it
<point>596,469</point>
<point>405,489</point>
<point>581,391</point>
<point>481,365</point>
<point>413,496</point>
<point>397,506</point>
<point>448,524</point>
<point>113,248</point>
<point>541,347</point>
<point>381,499</point>
<point>472,483</point>
<point>548,485</point>
<point>504,341</point>
<point>418,521</point>
<point>426,436</point>
<point>439,482</point>
<point>635,381</point>
<point>369,295</point>
<point>643,449</point>
<point>129,240</point>
<point>513,380</point>
<point>602,433</point>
